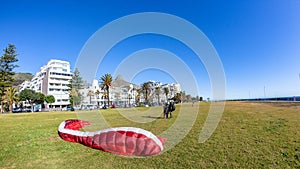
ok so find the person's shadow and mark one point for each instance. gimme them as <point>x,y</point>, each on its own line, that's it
<point>153,117</point>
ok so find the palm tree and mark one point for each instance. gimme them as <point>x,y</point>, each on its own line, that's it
<point>138,96</point>
<point>74,96</point>
<point>104,96</point>
<point>90,94</point>
<point>128,88</point>
<point>11,97</point>
<point>183,96</point>
<point>146,90</point>
<point>97,94</point>
<point>166,91</point>
<point>106,83</point>
<point>178,97</point>
<point>157,92</point>
<point>188,97</point>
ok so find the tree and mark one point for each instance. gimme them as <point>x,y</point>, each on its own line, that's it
<point>75,97</point>
<point>188,97</point>
<point>166,92</point>
<point>11,97</point>
<point>104,95</point>
<point>178,97</point>
<point>75,85</point>
<point>146,91</point>
<point>97,94</point>
<point>157,92</point>
<point>183,96</point>
<point>76,81</point>
<point>29,95</point>
<point>106,83</point>
<point>50,99</point>
<point>129,95</point>
<point>7,65</point>
<point>90,94</point>
<point>40,99</point>
<point>138,96</point>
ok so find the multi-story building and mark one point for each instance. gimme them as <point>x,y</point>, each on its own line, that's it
<point>91,95</point>
<point>157,94</point>
<point>25,85</point>
<point>121,93</point>
<point>124,94</point>
<point>52,79</point>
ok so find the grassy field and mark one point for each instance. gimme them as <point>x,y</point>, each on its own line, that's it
<point>249,135</point>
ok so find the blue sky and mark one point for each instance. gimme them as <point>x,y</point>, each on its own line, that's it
<point>257,41</point>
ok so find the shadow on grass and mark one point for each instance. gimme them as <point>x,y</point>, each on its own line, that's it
<point>153,117</point>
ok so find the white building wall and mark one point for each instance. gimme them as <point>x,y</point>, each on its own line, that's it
<point>24,85</point>
<point>52,79</point>
<point>125,95</point>
<point>59,76</point>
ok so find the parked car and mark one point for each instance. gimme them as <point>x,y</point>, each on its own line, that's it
<point>27,110</point>
<point>69,108</point>
<point>17,110</point>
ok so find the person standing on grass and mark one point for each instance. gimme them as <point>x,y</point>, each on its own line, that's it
<point>171,108</point>
<point>166,110</point>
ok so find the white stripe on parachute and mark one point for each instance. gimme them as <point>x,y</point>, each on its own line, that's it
<point>61,128</point>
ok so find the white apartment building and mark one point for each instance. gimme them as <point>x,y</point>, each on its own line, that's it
<point>89,94</point>
<point>154,98</point>
<point>24,85</point>
<point>123,93</point>
<point>52,79</point>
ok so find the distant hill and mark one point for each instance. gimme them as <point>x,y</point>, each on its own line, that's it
<point>21,77</point>
<point>119,81</point>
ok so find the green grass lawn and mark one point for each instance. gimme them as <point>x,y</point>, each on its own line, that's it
<point>249,135</point>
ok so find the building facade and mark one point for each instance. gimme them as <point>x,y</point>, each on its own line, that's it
<point>52,79</point>
<point>126,94</point>
<point>121,94</point>
<point>157,95</point>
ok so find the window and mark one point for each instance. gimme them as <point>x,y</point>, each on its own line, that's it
<point>61,74</point>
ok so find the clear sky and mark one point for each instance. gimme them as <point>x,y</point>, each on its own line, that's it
<point>258,41</point>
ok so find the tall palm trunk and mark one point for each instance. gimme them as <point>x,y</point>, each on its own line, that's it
<point>107,88</point>
<point>10,107</point>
